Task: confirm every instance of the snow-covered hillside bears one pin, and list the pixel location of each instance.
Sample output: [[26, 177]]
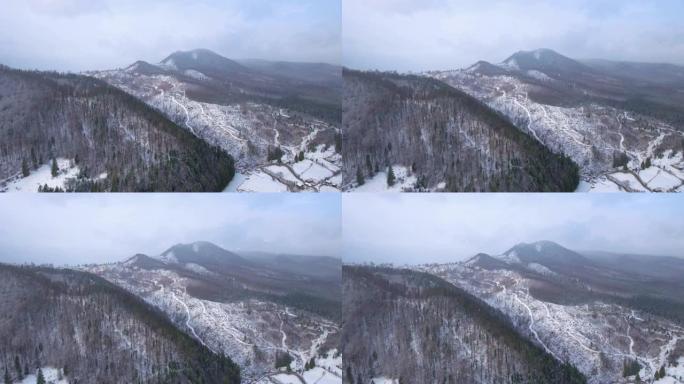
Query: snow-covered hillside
[[595, 337], [247, 130], [251, 331], [593, 134]]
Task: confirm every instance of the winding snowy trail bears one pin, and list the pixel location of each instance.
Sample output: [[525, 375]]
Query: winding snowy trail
[[187, 115], [622, 137], [531, 327], [529, 119], [283, 333], [187, 320]]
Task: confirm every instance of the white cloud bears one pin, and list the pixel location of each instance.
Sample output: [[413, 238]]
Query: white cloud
[[80, 35], [431, 227], [68, 229], [444, 34]]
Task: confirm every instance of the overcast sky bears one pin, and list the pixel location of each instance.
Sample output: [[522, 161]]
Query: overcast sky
[[414, 35], [421, 228], [96, 228], [76, 35]]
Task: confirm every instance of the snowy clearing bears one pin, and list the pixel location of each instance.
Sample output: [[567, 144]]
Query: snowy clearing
[[51, 376], [42, 176], [378, 183]]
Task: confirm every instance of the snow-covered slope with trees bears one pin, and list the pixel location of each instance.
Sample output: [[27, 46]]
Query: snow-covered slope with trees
[[282, 131], [445, 140], [244, 308], [79, 328], [578, 309], [411, 327], [44, 116], [625, 135]]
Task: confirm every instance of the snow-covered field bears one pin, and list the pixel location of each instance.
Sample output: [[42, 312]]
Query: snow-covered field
[[318, 172], [383, 380], [246, 131], [51, 375], [596, 337], [405, 181], [590, 134], [249, 331], [328, 370], [42, 176], [674, 374]]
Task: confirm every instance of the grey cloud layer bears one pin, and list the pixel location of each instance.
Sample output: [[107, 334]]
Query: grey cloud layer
[[76, 35], [444, 34], [75, 229], [441, 228]]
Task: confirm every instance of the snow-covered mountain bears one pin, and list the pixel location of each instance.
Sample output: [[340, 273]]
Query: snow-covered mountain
[[620, 122], [546, 61], [266, 318], [433, 137], [597, 313], [79, 328], [76, 133], [280, 125], [403, 326]]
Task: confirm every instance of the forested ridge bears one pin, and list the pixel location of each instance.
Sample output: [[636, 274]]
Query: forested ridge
[[418, 328], [443, 135], [96, 332], [46, 115]]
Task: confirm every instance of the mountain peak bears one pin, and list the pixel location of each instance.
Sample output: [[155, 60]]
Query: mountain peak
[[545, 60], [194, 54], [142, 261], [486, 68], [543, 252], [203, 253], [539, 245], [537, 54], [143, 67], [203, 60]]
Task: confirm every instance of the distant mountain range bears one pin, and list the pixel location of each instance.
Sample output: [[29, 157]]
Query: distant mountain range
[[308, 87]]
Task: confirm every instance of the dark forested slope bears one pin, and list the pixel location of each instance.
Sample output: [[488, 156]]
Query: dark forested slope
[[417, 328], [46, 115], [97, 332], [444, 136]]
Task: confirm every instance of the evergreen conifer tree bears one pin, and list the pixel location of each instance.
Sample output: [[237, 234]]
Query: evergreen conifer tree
[[24, 168], [55, 168], [17, 366], [40, 379], [391, 179], [359, 177]]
